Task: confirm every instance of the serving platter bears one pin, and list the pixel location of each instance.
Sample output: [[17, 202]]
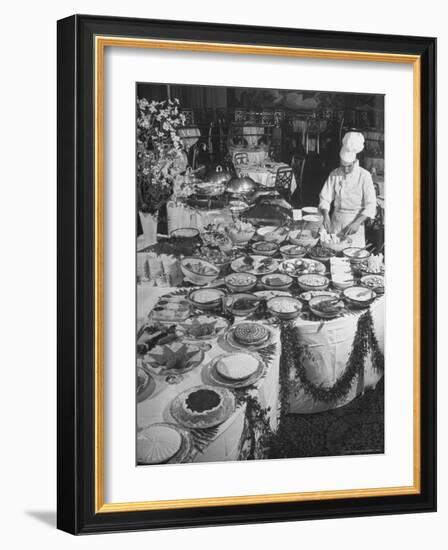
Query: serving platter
[[261, 265], [185, 449], [212, 372], [215, 417], [232, 342]]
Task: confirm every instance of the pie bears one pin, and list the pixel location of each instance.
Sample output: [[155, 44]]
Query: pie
[[250, 333], [202, 401], [238, 366], [157, 444]]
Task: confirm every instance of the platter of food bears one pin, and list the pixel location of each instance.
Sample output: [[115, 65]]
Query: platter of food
[[198, 271], [249, 335], [206, 298], [242, 304], [203, 406], [170, 309], [301, 266], [145, 384], [163, 443], [375, 282], [236, 370], [203, 327], [174, 358], [256, 265], [309, 294]]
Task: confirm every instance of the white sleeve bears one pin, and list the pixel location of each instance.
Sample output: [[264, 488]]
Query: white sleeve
[[369, 198], [327, 194]]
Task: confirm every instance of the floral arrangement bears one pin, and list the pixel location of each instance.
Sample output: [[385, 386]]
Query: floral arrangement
[[160, 155]]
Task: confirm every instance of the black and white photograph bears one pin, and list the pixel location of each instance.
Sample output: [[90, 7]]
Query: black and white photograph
[[260, 273]]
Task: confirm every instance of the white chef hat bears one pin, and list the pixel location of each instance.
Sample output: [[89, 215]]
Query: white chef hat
[[352, 144]]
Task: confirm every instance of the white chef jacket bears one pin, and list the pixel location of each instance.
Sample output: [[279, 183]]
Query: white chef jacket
[[353, 194]]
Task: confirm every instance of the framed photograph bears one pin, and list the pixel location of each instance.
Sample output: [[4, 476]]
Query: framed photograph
[[246, 274]]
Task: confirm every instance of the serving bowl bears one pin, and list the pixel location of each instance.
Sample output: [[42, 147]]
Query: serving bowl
[[240, 282], [293, 251], [277, 281], [303, 237], [242, 303], [241, 233], [374, 282], [358, 297], [313, 281], [198, 271], [356, 254], [272, 233], [265, 248], [333, 306], [285, 308]]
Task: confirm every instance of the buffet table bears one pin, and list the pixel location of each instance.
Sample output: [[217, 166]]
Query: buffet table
[[226, 443]]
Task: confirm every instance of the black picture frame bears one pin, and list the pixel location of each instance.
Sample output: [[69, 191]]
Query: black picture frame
[[76, 256]]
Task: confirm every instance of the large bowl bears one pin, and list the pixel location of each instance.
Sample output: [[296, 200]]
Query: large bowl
[[240, 282], [290, 251], [356, 254], [313, 281], [374, 282], [264, 248], [272, 233], [304, 237], [185, 233], [325, 314], [285, 308], [241, 237], [276, 281], [358, 297], [250, 300], [193, 270]]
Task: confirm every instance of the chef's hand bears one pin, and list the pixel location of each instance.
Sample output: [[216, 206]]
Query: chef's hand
[[351, 228], [327, 222]]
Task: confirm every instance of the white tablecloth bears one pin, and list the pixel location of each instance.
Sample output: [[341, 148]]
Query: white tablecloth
[[330, 344], [266, 176], [225, 446]]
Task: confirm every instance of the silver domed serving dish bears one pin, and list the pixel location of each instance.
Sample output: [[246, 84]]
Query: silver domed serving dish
[[243, 186]]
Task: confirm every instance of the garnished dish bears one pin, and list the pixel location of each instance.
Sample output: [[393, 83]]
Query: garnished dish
[[257, 265], [240, 282], [236, 370], [215, 235], [242, 304], [375, 282], [265, 248], [358, 296], [216, 256], [203, 406], [206, 298], [249, 335], [198, 271], [320, 253], [277, 281], [171, 309], [326, 307], [284, 307], [203, 327], [301, 266], [313, 281], [356, 254], [159, 444], [145, 384], [293, 251], [374, 265], [241, 232], [175, 357], [309, 294]]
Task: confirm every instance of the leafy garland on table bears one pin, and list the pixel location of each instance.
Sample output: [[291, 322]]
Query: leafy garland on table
[[294, 354]]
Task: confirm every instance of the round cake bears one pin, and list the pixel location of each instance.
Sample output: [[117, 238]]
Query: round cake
[[237, 366], [157, 444], [250, 333], [202, 401]]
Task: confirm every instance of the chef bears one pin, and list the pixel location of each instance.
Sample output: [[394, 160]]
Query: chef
[[351, 189]]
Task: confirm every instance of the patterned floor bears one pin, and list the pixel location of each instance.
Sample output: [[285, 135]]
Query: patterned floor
[[357, 428]]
